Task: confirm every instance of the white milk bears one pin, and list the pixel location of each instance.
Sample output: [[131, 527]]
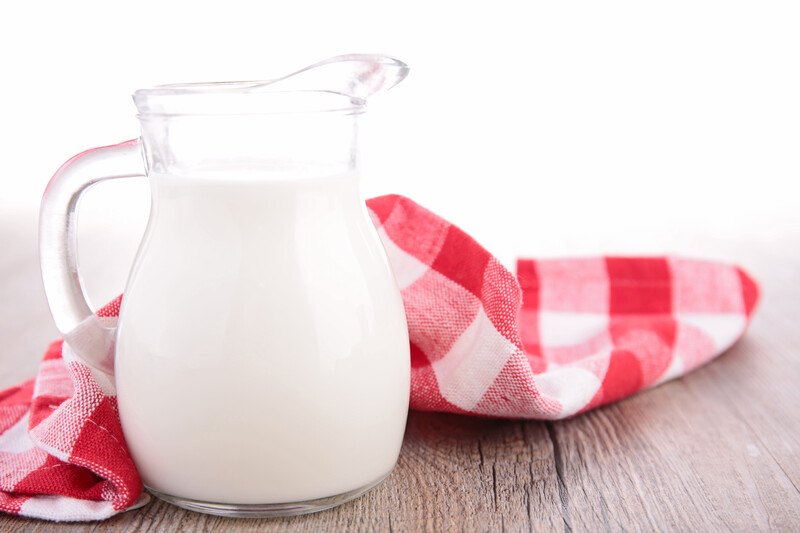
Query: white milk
[[262, 355]]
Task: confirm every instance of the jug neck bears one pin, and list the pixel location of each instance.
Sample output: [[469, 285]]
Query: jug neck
[[303, 144]]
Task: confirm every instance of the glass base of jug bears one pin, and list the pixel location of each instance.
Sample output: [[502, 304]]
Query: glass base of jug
[[266, 510]]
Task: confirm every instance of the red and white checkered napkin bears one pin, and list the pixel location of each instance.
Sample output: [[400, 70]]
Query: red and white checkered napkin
[[569, 336]]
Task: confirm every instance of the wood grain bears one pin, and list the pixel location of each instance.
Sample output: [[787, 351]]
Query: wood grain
[[718, 450]]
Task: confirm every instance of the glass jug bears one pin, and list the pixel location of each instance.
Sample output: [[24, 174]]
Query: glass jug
[[261, 356]]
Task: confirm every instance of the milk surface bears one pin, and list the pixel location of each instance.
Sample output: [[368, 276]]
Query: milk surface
[[262, 354]]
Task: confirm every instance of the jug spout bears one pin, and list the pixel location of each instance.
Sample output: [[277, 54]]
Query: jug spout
[[358, 76]]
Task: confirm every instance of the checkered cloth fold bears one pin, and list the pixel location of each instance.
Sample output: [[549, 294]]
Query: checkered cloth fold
[[561, 337]]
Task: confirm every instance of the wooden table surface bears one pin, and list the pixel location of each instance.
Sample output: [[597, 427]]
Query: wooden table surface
[[717, 450]]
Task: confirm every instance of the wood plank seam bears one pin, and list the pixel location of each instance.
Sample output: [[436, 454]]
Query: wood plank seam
[[558, 463]]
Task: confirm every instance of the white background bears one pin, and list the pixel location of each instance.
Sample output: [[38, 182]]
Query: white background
[[541, 128]]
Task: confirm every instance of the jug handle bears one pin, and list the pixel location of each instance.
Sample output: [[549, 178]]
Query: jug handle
[[89, 338]]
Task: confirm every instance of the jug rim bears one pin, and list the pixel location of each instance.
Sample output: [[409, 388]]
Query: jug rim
[[239, 98]]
